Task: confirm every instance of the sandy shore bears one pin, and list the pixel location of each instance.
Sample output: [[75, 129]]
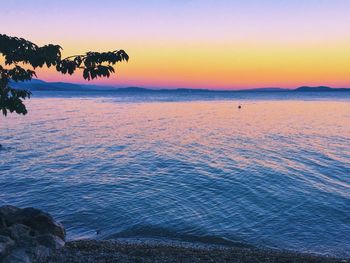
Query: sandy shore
[[124, 251]]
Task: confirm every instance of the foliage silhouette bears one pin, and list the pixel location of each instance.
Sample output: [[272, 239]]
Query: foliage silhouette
[[19, 53]]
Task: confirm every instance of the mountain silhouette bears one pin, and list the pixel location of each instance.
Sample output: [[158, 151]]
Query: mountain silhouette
[[319, 89], [39, 85]]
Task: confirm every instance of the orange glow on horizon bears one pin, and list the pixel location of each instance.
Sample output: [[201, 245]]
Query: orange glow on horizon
[[222, 66]]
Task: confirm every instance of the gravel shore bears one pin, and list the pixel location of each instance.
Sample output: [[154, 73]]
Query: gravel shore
[[123, 251]]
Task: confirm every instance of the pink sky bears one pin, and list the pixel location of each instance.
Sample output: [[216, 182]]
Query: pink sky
[[199, 44]]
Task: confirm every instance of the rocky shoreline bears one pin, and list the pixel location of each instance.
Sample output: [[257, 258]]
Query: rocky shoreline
[[116, 251], [30, 235]]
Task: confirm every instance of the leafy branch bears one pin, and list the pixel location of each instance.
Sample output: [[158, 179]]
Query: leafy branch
[[21, 51]]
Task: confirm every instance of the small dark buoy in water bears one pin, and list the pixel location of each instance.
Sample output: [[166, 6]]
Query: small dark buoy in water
[[239, 107], [98, 231]]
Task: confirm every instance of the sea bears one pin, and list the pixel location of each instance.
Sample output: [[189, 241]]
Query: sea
[[186, 166]]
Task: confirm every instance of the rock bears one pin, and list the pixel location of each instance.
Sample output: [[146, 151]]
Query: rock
[[50, 241], [28, 235], [19, 232], [5, 244], [2, 221], [7, 211], [18, 256], [39, 252], [45, 224], [40, 221]]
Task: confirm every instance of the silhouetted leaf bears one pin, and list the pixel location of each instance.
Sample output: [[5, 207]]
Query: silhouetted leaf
[[20, 51]]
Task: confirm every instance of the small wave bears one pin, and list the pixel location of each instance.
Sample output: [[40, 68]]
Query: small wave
[[152, 232]]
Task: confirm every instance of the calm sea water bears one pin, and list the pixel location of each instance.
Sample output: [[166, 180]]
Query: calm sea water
[[186, 167]]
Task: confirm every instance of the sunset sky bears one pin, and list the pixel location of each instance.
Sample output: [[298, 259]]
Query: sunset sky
[[222, 44]]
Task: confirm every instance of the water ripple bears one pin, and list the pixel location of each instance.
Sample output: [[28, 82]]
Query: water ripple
[[274, 174]]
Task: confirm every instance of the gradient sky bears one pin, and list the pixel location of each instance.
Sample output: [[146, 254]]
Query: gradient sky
[[221, 44]]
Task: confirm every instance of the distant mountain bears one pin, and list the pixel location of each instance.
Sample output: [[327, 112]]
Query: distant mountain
[[138, 89], [134, 89], [319, 89], [268, 89], [39, 85]]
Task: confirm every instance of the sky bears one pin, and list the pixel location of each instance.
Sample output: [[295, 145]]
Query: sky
[[221, 44]]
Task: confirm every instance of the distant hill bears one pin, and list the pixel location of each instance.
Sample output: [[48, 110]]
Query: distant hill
[[134, 89], [319, 89], [39, 85], [138, 89], [268, 89]]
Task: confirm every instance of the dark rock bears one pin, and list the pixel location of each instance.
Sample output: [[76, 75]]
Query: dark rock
[[2, 221], [50, 241], [45, 224], [40, 221], [28, 235], [5, 244], [5, 232], [18, 256], [18, 232], [7, 211], [39, 252]]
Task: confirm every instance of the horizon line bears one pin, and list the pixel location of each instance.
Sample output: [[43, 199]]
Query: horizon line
[[114, 86]]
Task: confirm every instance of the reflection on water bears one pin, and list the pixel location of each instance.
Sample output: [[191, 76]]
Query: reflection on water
[[272, 174]]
